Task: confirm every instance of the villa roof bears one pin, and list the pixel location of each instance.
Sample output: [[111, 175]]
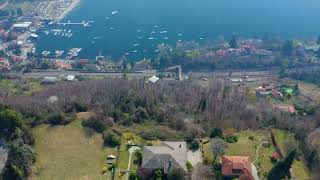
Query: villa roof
[[160, 157], [236, 166]]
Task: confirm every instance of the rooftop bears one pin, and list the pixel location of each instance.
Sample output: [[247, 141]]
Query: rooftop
[[160, 157]]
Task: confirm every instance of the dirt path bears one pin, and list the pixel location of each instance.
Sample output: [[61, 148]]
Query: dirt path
[[131, 151], [257, 154]]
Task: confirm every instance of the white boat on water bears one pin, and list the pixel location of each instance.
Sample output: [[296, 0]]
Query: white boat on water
[[45, 53], [179, 34], [151, 38], [139, 37], [135, 51], [136, 45], [97, 37], [114, 12]]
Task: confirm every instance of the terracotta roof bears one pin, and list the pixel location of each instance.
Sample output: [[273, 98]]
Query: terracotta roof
[[236, 166]]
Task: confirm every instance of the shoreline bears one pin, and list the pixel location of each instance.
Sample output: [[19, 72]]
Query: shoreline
[[73, 5]]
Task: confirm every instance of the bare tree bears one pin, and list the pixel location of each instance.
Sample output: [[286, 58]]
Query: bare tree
[[218, 147]]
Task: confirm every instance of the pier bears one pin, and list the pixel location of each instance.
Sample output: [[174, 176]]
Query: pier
[[83, 23]]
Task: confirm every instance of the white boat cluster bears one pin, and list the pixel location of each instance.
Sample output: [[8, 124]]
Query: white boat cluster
[[59, 32]]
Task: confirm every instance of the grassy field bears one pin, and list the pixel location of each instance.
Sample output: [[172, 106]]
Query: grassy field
[[69, 152], [248, 147], [299, 169], [27, 87]]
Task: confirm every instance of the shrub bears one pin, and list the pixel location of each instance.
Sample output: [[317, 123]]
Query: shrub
[[231, 139], [189, 166], [80, 106], [154, 135], [110, 139], [56, 119], [251, 138], [216, 132], [104, 170], [133, 176], [138, 154], [176, 174], [95, 123], [195, 144]]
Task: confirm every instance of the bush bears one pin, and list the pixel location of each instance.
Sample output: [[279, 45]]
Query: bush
[[95, 123], [251, 138], [176, 174], [133, 176], [231, 139], [138, 154], [110, 139], [216, 132], [189, 166], [154, 135], [104, 170], [80, 106], [195, 144], [56, 119]]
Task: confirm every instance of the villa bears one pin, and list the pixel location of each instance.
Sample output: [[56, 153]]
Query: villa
[[236, 167], [168, 156]]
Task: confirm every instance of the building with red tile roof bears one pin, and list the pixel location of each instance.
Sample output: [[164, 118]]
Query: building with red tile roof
[[62, 65], [236, 167]]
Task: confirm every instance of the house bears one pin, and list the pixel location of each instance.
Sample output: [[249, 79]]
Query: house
[[91, 67], [141, 66], [236, 167], [3, 155], [264, 90], [70, 77], [236, 80], [285, 108], [62, 65], [276, 94], [168, 156], [49, 80], [22, 25], [4, 64], [153, 79]]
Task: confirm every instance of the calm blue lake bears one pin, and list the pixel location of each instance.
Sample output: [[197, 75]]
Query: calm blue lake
[[139, 26]]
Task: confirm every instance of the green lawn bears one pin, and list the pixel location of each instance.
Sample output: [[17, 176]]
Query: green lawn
[[69, 152], [299, 169], [248, 147]]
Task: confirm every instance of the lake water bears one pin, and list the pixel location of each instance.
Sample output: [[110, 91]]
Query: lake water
[[141, 25]]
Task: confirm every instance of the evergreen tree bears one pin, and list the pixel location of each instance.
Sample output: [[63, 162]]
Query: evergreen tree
[[281, 169]]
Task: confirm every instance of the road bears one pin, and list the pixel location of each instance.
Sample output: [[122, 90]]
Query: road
[[131, 151], [2, 6]]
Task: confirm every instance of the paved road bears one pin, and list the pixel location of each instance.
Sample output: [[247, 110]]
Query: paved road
[[254, 172], [2, 6], [194, 157]]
